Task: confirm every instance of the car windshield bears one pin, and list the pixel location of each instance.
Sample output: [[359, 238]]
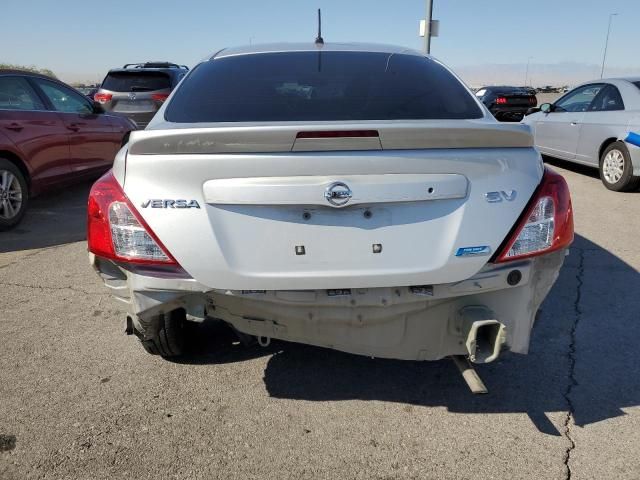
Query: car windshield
[[136, 81], [316, 86]]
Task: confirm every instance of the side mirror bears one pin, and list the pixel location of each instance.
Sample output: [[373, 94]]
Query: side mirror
[[97, 108], [532, 110], [546, 108]]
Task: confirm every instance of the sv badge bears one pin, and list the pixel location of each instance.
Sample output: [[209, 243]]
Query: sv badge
[[494, 197]]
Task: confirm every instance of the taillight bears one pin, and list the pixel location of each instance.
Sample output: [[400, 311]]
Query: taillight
[[102, 97], [547, 223], [501, 100], [159, 97], [116, 231]]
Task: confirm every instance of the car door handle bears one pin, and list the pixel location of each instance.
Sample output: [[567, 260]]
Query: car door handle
[[574, 123], [74, 126], [15, 126]]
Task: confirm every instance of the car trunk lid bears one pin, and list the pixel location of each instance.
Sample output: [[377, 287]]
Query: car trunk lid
[[518, 98], [401, 216]]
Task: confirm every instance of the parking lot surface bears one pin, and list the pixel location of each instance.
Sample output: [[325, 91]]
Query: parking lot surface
[[79, 399]]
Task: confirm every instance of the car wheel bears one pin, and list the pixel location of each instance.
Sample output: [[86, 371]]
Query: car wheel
[[14, 195], [616, 170], [166, 337]]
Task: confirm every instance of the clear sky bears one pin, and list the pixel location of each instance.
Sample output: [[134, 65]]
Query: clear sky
[[81, 40]]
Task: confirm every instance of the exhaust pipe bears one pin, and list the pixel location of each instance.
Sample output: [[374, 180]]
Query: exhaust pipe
[[484, 335]]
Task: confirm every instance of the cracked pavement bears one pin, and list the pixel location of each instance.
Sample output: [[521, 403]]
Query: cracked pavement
[[572, 354], [79, 399]]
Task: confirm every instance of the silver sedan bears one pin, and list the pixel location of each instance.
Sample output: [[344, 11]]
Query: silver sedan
[[595, 124]]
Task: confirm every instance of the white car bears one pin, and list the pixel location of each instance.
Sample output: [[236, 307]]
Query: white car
[[595, 124], [356, 197]]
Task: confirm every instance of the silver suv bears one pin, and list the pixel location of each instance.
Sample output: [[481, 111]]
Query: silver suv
[[138, 90]]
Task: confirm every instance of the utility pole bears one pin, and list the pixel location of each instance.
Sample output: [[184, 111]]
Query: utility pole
[[526, 75], [427, 28], [606, 43]]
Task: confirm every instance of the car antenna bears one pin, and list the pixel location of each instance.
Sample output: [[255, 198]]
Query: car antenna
[[319, 39]]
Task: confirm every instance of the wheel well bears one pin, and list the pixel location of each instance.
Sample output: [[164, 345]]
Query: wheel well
[[604, 145], [17, 161]]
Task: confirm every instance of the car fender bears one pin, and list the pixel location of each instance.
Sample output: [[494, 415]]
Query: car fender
[[7, 145]]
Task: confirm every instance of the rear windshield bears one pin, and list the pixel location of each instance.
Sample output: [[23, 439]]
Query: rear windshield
[[136, 81], [316, 86]]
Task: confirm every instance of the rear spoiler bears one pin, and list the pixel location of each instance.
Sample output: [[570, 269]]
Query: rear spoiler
[[399, 135]]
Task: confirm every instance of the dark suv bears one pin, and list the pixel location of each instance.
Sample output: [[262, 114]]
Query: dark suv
[[137, 90]]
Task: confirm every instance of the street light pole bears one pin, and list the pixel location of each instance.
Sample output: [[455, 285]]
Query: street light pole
[[526, 75], [427, 28], [606, 43]]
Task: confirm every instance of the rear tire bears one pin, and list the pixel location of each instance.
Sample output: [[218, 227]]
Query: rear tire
[[616, 170], [14, 195], [167, 336]]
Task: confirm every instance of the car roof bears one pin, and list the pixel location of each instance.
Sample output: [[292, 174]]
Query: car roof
[[312, 47], [139, 70], [628, 79], [612, 80], [141, 67], [14, 71]]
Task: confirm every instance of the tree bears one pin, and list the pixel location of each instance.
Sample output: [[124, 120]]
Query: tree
[[32, 68]]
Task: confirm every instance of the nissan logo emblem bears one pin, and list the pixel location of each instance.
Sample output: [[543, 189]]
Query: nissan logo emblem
[[338, 194]]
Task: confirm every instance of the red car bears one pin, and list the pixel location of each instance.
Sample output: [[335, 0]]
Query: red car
[[50, 136]]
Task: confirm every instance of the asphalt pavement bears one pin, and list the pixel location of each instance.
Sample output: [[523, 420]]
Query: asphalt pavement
[[80, 400]]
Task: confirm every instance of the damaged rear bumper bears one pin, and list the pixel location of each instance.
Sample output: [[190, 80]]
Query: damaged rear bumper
[[421, 322]]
